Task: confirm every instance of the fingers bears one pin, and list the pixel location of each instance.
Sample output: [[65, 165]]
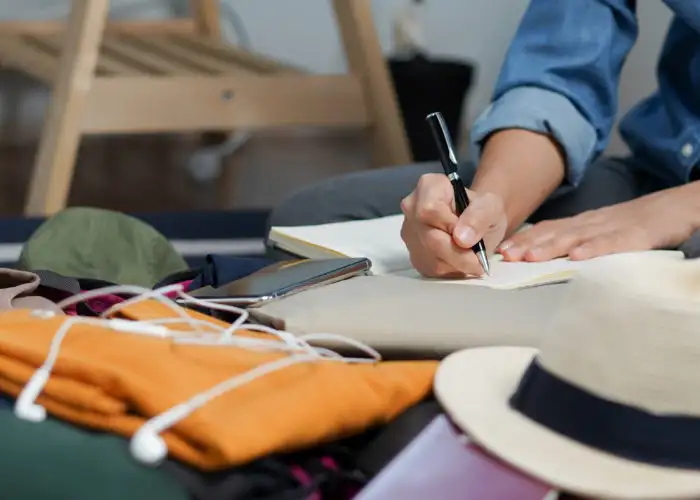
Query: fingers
[[430, 226], [434, 254], [612, 242], [480, 216], [442, 245], [434, 187], [434, 201], [548, 242], [437, 215], [579, 238], [593, 248], [515, 247], [430, 266], [554, 247]]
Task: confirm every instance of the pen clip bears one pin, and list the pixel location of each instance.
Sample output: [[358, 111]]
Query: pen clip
[[441, 134]]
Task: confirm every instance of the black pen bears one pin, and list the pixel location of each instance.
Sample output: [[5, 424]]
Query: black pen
[[449, 165]]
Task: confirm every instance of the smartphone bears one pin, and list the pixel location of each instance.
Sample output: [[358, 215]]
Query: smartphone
[[282, 279]]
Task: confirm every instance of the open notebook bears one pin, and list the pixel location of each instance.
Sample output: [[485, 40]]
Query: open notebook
[[380, 241]]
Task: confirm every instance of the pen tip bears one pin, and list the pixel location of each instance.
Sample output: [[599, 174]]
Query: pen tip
[[484, 263]]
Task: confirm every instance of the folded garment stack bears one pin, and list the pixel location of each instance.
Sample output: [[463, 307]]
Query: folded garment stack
[[106, 391]]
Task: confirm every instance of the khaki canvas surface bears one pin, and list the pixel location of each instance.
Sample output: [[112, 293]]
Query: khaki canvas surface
[[395, 314]]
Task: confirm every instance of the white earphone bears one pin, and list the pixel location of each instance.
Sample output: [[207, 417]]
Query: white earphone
[[147, 445], [25, 406]]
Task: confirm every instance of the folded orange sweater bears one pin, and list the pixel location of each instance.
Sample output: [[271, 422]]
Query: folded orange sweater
[[115, 381]]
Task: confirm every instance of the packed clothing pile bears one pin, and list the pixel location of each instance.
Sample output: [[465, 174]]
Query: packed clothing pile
[[112, 388]]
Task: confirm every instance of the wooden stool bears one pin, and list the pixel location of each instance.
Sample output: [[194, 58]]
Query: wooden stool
[[178, 76]]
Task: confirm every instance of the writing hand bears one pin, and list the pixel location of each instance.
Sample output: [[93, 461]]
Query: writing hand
[[439, 242]]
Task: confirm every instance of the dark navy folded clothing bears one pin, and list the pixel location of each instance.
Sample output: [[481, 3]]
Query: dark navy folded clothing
[[216, 271], [219, 270]]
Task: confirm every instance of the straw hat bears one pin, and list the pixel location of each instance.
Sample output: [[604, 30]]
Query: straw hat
[[609, 407]]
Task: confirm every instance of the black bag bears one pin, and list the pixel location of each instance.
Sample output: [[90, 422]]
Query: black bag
[[425, 85]]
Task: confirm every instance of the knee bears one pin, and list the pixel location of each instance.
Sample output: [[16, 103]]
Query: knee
[[358, 195], [309, 206]]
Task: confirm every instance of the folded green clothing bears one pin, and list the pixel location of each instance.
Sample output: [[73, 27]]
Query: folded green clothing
[[85, 242], [56, 460]]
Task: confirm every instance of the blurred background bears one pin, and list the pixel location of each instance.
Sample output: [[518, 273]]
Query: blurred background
[[171, 172]]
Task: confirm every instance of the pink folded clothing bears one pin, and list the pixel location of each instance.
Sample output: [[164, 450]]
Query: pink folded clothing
[[100, 304], [442, 463], [17, 291]]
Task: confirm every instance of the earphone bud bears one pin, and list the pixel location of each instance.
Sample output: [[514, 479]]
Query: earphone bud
[[30, 412], [147, 446], [25, 406]]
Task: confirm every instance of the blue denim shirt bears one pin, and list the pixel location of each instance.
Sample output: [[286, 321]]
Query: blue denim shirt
[[561, 76]]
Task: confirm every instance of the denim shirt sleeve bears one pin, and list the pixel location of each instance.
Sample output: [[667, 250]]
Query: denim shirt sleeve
[[561, 76], [685, 10]]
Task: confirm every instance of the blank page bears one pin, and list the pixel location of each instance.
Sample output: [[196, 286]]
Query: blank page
[[380, 241], [512, 275], [376, 239]]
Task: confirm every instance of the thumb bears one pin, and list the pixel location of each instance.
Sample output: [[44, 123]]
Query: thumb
[[482, 213]]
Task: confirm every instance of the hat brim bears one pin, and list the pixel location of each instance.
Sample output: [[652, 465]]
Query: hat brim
[[474, 387]]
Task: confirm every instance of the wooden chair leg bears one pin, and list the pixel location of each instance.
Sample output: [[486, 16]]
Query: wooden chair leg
[[55, 161], [365, 60], [207, 15]]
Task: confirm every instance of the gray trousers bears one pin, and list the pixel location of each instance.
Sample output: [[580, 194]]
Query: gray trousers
[[377, 193]]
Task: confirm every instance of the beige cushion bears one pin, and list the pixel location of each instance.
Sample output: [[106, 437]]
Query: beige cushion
[[17, 290]]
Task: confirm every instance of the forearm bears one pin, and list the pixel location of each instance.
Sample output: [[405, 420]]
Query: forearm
[[528, 143], [521, 167], [559, 81]]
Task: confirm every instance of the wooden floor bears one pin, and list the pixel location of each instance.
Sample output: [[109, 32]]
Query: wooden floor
[[148, 174]]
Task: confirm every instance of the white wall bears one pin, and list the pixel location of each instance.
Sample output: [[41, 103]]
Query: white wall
[[303, 32]]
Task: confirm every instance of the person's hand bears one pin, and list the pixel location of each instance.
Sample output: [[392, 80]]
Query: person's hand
[[438, 241], [660, 220]]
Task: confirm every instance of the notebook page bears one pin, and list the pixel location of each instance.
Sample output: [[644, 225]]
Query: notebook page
[[380, 241], [512, 275], [376, 239]]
